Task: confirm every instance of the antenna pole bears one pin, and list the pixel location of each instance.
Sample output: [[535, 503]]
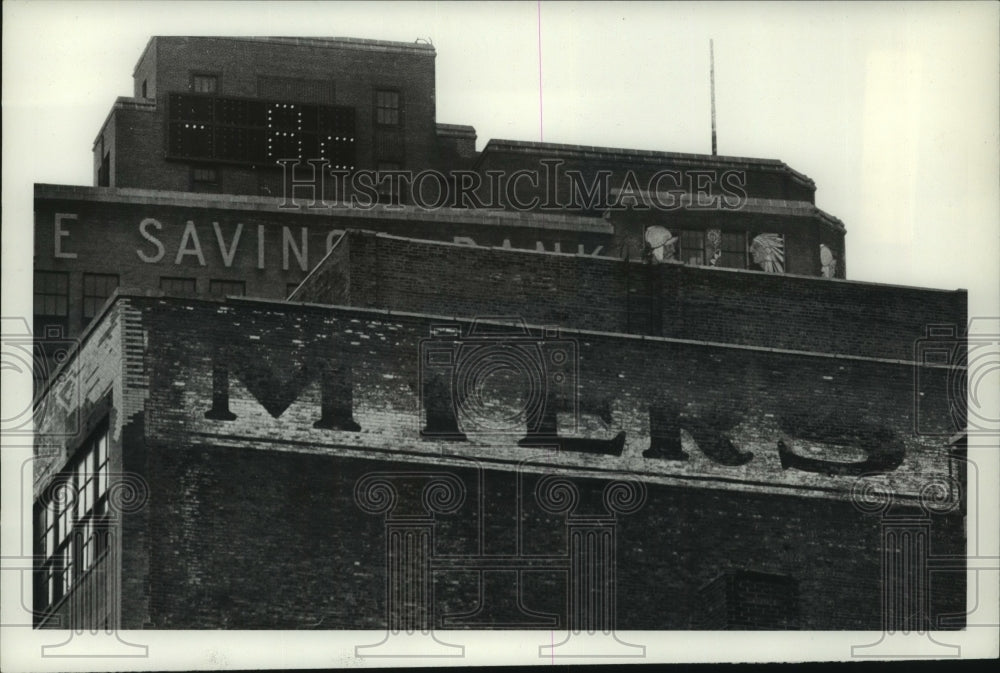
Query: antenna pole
[[711, 75]]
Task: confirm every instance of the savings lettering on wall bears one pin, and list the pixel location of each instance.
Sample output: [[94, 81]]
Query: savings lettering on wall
[[239, 245]]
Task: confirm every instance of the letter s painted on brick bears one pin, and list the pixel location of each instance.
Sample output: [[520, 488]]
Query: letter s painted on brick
[[143, 226]]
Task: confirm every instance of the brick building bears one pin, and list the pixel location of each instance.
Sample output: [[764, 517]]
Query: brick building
[[585, 388]]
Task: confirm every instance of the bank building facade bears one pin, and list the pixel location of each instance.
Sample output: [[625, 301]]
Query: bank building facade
[[310, 360]]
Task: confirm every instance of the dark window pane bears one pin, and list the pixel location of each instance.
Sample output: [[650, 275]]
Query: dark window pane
[[693, 247], [734, 250], [51, 293], [225, 288], [97, 287], [387, 108], [178, 285]]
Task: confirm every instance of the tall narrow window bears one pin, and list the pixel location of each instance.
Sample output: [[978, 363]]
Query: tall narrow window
[[693, 247], [97, 287], [71, 520], [387, 108], [144, 88], [104, 172], [51, 300], [734, 250]]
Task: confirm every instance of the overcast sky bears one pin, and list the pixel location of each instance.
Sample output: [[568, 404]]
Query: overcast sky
[[891, 108]]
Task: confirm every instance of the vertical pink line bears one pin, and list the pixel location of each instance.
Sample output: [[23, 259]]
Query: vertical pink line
[[541, 136]]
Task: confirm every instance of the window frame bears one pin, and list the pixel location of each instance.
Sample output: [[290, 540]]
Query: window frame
[[98, 299], [205, 75], [214, 287], [728, 253], [684, 251], [185, 279], [377, 109], [46, 293], [71, 537], [201, 183]]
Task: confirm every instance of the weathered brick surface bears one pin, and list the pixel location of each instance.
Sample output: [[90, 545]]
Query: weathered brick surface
[[102, 382], [244, 538], [252, 521], [674, 300]]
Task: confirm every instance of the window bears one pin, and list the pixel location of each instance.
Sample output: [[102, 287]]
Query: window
[[51, 302], [144, 88], [226, 288], [51, 293], [734, 250], [104, 172], [387, 108], [204, 83], [71, 521], [692, 247], [178, 285], [97, 287], [204, 179], [205, 175]]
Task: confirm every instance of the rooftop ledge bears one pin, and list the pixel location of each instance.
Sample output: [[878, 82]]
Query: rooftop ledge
[[644, 156], [747, 205], [239, 202]]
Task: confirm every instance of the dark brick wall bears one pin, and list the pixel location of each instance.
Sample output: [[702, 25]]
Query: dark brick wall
[[823, 542], [244, 538], [252, 523], [675, 300], [356, 72], [330, 282]]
